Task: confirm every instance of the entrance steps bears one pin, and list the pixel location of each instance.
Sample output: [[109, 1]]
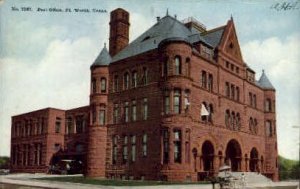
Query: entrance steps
[[252, 178]]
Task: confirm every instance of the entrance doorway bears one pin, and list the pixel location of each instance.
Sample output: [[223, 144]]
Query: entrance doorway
[[233, 155], [208, 156], [253, 165]]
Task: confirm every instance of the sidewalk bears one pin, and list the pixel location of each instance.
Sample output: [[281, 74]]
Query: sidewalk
[[29, 180]]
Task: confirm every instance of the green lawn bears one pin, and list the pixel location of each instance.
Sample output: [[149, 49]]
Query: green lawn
[[105, 182]]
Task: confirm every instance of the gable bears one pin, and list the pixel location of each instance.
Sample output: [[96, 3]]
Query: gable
[[229, 43]]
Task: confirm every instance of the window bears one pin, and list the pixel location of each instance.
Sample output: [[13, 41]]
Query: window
[[186, 99], [134, 79], [177, 103], [237, 94], [102, 117], [255, 126], [69, 128], [144, 145], [203, 79], [232, 123], [238, 122], [227, 89], [210, 111], [268, 105], [126, 81], [79, 124], [167, 102], [125, 149], [133, 110], [204, 113], [250, 99], [232, 92], [94, 86], [57, 125], [177, 65], [79, 148], [103, 85], [116, 84], [165, 68], [227, 118], [210, 82], [94, 115], [177, 146], [133, 148], [126, 111], [187, 67], [254, 101], [269, 131], [115, 150], [145, 109], [145, 76], [251, 124], [116, 114], [166, 146]]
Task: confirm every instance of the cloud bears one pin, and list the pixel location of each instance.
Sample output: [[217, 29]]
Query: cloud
[[60, 80], [281, 60]]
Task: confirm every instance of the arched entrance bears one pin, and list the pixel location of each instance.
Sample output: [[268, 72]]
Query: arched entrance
[[253, 164], [207, 156], [233, 155]]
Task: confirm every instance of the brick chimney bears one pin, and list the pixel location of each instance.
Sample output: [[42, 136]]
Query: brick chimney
[[119, 31]]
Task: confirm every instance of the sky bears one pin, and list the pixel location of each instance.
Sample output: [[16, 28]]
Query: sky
[[45, 57]]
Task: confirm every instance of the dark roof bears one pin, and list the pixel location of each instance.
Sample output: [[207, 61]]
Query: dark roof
[[103, 58], [167, 27], [264, 82], [213, 37]]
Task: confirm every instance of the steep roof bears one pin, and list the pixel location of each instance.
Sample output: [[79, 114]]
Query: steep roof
[[214, 36], [167, 27], [264, 82], [103, 58]]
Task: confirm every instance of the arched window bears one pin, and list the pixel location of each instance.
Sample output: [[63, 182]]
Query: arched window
[[250, 99], [268, 105], [254, 101], [269, 131], [255, 129], [238, 94], [251, 124], [126, 81], [232, 92], [167, 102], [238, 122], [134, 79], [233, 121], [177, 65], [103, 85], [102, 115]]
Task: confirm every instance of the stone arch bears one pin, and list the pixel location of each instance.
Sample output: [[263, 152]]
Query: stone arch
[[208, 151], [234, 155], [254, 160]]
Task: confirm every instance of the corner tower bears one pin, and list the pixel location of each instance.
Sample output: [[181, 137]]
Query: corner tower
[[97, 132], [119, 31], [271, 159]]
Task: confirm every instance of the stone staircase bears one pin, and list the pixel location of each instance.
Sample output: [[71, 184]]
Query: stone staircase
[[252, 178]]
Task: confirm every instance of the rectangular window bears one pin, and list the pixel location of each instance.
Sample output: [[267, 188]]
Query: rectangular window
[[133, 110], [133, 148], [125, 149], [177, 146], [103, 85], [250, 99], [114, 154], [102, 117], [116, 84], [94, 86], [203, 79], [145, 76], [126, 111], [134, 79], [232, 92], [79, 124], [269, 131], [167, 103], [210, 82], [165, 146], [116, 114], [145, 145], [177, 102], [57, 125], [227, 89], [145, 109], [126, 81]]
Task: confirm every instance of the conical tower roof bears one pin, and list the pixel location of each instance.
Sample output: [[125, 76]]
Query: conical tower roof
[[264, 82], [103, 58]]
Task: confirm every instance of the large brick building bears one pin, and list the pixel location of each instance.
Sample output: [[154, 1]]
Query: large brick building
[[176, 103]]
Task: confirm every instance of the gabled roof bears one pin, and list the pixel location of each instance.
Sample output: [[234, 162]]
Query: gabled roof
[[264, 82], [103, 58], [214, 36], [166, 28]]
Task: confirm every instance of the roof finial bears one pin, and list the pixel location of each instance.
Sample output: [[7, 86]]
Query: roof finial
[[263, 71], [104, 45], [231, 18], [167, 14], [175, 16]]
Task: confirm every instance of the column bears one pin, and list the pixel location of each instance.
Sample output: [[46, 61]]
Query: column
[[216, 165]]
